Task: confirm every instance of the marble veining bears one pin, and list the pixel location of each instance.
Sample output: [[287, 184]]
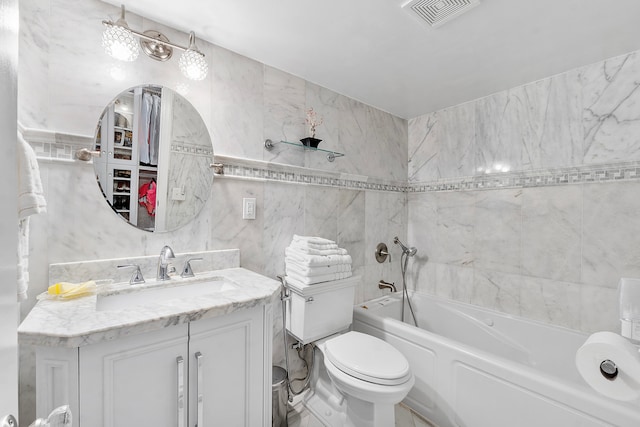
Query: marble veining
[[611, 116], [610, 245], [552, 233], [284, 96]]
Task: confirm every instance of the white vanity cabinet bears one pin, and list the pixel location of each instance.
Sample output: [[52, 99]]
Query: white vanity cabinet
[[133, 381], [209, 372]]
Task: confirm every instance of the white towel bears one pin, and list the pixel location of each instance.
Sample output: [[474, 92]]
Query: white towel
[[30, 201], [59, 417], [311, 239], [300, 270], [30, 194], [311, 251], [303, 280], [310, 245], [308, 260]]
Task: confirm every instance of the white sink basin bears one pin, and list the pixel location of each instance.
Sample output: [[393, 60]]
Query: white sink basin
[[154, 294]]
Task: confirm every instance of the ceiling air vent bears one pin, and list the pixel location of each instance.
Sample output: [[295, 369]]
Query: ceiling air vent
[[437, 12]]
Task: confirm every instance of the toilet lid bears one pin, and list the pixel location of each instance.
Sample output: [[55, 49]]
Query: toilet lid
[[367, 358]]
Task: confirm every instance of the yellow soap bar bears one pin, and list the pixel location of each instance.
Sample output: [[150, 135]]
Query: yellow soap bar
[[68, 290]]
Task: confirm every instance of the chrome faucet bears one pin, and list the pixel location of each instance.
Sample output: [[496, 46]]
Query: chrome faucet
[[163, 264], [386, 285]]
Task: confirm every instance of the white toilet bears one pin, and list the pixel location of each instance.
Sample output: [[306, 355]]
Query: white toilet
[[356, 378]]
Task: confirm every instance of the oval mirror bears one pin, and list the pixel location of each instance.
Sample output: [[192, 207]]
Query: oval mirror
[[154, 168]]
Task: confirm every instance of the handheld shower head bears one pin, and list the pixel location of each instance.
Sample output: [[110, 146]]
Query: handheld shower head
[[409, 251]]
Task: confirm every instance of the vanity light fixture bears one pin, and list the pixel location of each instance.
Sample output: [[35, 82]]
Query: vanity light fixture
[[119, 41], [192, 63]]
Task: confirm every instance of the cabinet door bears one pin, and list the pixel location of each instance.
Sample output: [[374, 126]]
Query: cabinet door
[[227, 376], [135, 381], [121, 138]]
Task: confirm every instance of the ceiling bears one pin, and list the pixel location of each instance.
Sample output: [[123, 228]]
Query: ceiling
[[385, 56]]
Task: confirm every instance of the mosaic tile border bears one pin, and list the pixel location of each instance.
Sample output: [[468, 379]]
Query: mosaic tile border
[[624, 171], [56, 146], [185, 148], [314, 178]]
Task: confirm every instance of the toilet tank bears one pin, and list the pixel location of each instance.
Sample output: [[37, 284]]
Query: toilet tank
[[319, 310]]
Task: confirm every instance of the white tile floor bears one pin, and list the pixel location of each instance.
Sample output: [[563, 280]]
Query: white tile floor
[[300, 417]]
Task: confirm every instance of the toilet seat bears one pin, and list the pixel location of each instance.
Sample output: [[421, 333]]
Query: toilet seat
[[367, 358]]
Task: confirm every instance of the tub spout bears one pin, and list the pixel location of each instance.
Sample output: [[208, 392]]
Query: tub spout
[[386, 285]]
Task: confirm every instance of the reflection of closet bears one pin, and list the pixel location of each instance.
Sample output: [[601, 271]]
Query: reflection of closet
[[128, 137]]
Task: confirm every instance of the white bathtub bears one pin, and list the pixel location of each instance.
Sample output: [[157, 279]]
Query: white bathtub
[[481, 368]]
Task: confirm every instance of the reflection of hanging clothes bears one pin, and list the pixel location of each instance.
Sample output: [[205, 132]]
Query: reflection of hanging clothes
[[154, 133], [147, 196], [144, 128]]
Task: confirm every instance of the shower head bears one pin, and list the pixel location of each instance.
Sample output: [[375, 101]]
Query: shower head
[[409, 251]]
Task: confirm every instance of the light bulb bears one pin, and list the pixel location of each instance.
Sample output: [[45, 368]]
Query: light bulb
[[193, 65], [120, 43]]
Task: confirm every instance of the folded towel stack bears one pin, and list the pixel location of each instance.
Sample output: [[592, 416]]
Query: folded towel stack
[[311, 260]]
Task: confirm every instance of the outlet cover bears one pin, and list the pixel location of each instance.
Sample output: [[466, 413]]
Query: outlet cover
[[249, 208]]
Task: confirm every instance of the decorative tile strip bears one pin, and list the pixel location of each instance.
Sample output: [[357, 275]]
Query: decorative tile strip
[[254, 169], [54, 145], [186, 148], [624, 171]]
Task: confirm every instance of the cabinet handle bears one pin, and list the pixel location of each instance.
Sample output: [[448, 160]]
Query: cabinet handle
[[180, 362], [199, 391]]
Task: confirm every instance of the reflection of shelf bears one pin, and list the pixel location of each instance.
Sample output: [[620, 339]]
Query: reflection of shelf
[[331, 155]]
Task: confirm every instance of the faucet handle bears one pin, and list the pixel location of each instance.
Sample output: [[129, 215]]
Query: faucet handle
[[186, 269], [136, 277]]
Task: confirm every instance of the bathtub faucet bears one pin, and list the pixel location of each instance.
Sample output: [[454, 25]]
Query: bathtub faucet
[[386, 285]]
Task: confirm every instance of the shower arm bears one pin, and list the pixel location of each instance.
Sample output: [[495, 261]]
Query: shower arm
[[409, 251]]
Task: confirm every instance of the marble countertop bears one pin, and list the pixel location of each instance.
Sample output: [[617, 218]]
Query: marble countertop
[[78, 322]]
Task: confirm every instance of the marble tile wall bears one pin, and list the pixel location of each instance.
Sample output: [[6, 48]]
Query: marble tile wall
[[557, 231], [65, 81]]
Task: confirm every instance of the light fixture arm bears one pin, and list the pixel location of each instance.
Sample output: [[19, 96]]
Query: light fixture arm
[[192, 36], [121, 21], [192, 41]]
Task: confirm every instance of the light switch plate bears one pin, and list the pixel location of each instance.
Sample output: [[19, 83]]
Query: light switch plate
[[249, 208], [178, 193]]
